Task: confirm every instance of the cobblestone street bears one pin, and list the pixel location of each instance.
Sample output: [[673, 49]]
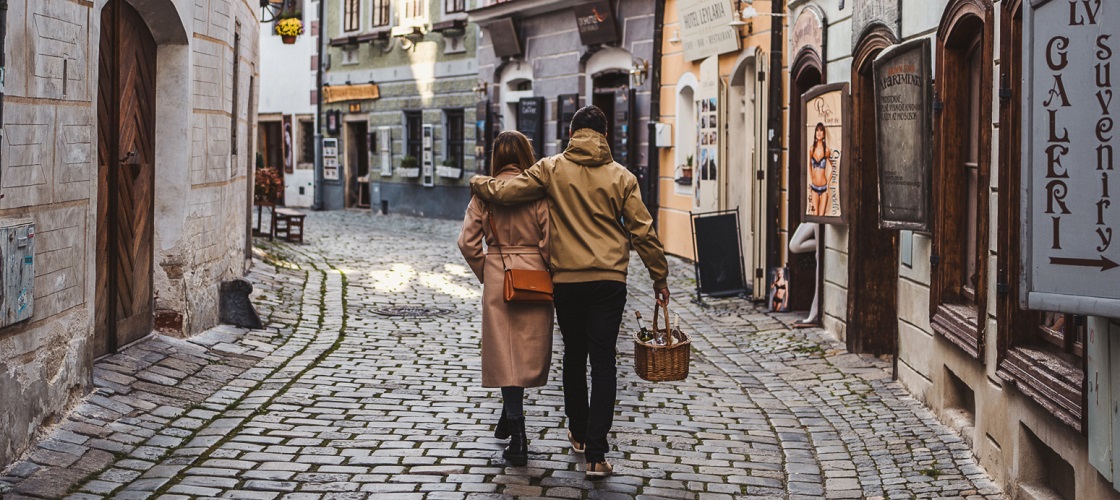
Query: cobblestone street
[[365, 383]]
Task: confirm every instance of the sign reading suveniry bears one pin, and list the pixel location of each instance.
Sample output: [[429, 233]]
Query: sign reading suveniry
[[1070, 157], [705, 30], [903, 99]]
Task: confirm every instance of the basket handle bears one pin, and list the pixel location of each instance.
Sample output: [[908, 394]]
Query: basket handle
[[659, 308]]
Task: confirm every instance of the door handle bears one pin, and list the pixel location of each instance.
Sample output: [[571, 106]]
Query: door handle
[[131, 155]]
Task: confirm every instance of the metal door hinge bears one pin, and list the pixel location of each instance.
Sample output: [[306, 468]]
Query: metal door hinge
[[762, 76], [758, 272], [938, 105], [934, 260], [760, 175], [1004, 94], [1003, 288]]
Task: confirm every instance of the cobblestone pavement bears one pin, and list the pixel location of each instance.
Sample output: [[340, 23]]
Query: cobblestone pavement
[[365, 383]]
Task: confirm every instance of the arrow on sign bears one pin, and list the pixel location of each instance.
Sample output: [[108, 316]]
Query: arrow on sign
[[1104, 262]]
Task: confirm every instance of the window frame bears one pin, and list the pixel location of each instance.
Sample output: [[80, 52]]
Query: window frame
[[347, 16], [962, 322], [450, 144], [1052, 374], [414, 138], [449, 6], [384, 8]]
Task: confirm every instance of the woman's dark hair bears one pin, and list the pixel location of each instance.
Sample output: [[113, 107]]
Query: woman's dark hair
[[590, 117], [512, 148], [824, 138]]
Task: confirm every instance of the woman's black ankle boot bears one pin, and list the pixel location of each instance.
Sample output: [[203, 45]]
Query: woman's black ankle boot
[[518, 450], [501, 431]]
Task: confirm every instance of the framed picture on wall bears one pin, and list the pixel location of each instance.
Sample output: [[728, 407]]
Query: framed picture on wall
[[826, 125]]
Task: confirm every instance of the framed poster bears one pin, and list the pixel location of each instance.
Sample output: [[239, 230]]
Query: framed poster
[[903, 101], [827, 111], [566, 107], [289, 166], [330, 159], [1071, 224], [427, 157], [706, 173], [334, 121]]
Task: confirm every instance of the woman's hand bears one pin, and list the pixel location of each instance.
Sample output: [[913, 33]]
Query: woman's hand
[[662, 295]]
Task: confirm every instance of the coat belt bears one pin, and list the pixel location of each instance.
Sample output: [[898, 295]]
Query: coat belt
[[513, 250]]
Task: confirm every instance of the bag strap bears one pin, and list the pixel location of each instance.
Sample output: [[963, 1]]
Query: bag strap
[[490, 215]]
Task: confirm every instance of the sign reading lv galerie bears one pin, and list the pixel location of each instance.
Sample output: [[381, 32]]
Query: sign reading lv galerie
[[705, 30], [903, 99], [825, 141], [1070, 157]]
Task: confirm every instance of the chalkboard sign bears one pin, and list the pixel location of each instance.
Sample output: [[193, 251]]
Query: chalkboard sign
[[530, 121], [567, 105], [719, 258]]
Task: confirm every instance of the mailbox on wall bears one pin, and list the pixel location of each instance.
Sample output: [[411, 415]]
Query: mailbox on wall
[[17, 270]]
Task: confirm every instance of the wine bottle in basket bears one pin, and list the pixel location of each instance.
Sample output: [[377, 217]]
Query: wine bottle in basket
[[644, 335]]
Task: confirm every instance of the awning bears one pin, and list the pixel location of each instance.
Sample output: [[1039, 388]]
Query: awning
[[339, 93]]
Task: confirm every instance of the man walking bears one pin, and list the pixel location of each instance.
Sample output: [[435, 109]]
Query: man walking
[[596, 214]]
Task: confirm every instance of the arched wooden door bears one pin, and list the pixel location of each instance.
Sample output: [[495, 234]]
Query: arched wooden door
[[125, 152]]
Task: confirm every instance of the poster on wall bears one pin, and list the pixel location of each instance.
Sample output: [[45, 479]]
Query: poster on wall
[[706, 173], [330, 159], [903, 101], [825, 140], [427, 157], [1071, 222], [289, 167], [778, 290]]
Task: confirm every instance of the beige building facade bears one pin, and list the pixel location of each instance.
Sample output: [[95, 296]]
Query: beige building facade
[[127, 131]]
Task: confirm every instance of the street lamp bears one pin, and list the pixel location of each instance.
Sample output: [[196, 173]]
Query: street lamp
[[480, 90], [676, 39], [639, 72]]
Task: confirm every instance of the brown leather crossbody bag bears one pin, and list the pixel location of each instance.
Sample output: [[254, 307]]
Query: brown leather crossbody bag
[[522, 285]]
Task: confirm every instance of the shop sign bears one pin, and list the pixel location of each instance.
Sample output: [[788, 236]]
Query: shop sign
[[1071, 232], [808, 31], [903, 100], [287, 144], [596, 23], [340, 93], [704, 28], [871, 12], [827, 111]]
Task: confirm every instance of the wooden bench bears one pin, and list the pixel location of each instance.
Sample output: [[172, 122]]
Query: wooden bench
[[288, 224]]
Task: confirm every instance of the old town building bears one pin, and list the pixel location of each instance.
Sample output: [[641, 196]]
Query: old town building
[[539, 61], [103, 102], [398, 105]]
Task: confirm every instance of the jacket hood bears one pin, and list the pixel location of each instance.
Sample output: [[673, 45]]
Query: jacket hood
[[588, 148]]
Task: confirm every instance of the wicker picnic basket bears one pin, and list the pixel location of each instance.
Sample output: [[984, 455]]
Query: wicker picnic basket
[[661, 363]]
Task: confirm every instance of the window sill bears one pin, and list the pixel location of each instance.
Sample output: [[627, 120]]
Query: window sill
[[1050, 381], [960, 325]]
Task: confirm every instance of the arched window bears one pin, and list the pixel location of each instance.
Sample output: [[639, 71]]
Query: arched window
[[962, 138]]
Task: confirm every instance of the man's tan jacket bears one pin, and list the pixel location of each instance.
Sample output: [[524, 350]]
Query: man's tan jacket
[[596, 210]]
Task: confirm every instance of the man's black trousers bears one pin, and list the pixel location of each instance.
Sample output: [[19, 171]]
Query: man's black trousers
[[589, 315]]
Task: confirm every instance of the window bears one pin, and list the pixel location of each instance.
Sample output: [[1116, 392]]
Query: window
[[351, 15], [414, 9], [306, 141], [1041, 352], [413, 128], [454, 134], [958, 291], [380, 13], [454, 6]]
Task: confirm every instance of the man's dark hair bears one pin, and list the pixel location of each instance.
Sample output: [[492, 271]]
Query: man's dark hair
[[590, 117]]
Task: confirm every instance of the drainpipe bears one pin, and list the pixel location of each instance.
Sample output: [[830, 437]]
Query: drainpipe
[[3, 63], [774, 167], [317, 199], [653, 160]]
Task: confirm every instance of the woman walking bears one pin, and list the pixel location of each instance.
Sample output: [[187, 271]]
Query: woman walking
[[516, 336]]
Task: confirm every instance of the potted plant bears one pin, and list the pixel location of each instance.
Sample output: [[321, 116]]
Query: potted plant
[[449, 169], [289, 29], [686, 171], [267, 186], [410, 167]]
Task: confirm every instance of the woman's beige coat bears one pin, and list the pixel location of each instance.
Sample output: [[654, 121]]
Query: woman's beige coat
[[516, 337]]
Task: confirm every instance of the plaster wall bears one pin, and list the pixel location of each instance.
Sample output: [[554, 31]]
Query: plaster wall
[[48, 172]]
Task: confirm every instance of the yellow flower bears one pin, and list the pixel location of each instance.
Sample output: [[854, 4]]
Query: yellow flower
[[289, 27]]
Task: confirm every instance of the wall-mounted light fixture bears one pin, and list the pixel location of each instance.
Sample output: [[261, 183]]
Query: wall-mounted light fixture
[[676, 39], [639, 72], [480, 90]]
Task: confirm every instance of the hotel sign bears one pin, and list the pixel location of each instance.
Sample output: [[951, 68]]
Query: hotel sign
[[704, 28], [1071, 232], [903, 100]]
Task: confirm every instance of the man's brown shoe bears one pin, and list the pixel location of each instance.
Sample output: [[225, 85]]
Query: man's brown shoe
[[599, 469], [577, 446]]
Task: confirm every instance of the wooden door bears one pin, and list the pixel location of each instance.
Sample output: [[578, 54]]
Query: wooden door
[[126, 149], [803, 266], [872, 252]]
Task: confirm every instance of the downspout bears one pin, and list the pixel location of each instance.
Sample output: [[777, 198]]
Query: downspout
[[653, 160], [3, 63], [317, 199], [775, 131]]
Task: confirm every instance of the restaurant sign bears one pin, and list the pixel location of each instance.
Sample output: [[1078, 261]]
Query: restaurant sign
[[705, 30], [1070, 235], [903, 100], [596, 23]]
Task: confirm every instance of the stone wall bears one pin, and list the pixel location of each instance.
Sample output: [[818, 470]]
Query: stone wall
[[48, 172]]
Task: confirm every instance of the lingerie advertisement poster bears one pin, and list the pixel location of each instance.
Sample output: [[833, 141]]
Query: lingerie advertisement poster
[[825, 139]]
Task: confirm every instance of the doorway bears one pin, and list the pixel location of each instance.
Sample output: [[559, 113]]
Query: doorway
[[357, 164], [125, 186], [803, 267], [744, 190], [872, 252]]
